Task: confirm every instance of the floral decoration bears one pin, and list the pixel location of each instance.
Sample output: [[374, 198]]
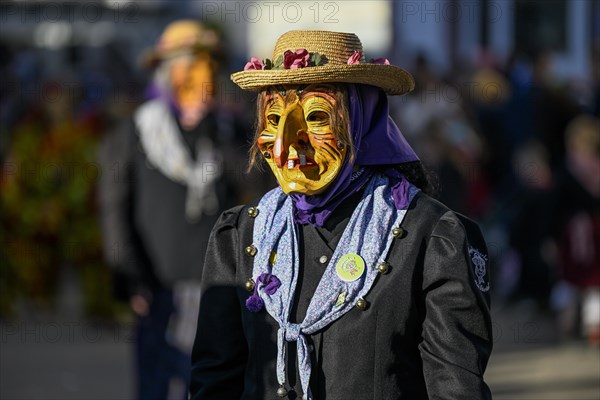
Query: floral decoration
[[296, 59], [254, 64], [254, 303], [355, 57], [269, 283], [300, 58], [383, 61]]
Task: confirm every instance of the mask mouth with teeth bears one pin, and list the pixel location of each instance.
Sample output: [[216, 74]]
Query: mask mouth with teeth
[[301, 134], [301, 162]]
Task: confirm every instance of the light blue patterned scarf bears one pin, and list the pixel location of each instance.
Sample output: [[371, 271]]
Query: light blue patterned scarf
[[368, 234]]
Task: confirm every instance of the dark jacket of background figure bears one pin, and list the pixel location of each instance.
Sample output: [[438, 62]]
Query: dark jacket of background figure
[[150, 242], [156, 251]]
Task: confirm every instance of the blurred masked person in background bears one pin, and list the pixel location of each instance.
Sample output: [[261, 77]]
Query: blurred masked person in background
[[577, 230], [359, 285], [168, 175]]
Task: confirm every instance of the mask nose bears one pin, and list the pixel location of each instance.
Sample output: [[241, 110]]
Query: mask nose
[[291, 130]]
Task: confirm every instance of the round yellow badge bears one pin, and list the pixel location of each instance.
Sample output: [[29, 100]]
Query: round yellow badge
[[350, 267]]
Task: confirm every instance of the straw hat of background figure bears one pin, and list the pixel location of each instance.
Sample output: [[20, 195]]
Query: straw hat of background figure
[[182, 37], [304, 57]]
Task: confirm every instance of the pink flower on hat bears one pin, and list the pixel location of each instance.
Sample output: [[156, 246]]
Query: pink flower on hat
[[355, 57], [383, 61], [254, 63], [296, 59]]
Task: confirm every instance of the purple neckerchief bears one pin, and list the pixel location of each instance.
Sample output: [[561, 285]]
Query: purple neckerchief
[[316, 209], [376, 140]]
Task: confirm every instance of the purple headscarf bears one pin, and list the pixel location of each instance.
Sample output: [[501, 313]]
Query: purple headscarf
[[377, 141]]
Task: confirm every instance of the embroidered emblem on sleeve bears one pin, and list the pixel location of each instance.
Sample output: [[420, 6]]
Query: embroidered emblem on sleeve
[[479, 261]]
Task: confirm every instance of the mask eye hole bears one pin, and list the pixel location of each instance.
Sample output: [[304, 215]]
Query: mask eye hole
[[318, 116], [273, 119]]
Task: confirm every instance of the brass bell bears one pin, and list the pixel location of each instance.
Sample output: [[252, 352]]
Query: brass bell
[[398, 232], [282, 392], [383, 268], [362, 304], [253, 212], [251, 251], [249, 285]]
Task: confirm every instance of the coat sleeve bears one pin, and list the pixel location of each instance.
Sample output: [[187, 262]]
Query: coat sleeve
[[123, 249], [457, 332], [219, 355]]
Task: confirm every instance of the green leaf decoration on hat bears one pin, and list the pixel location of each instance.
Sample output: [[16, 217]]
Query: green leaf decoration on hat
[[278, 62], [268, 63], [315, 59]]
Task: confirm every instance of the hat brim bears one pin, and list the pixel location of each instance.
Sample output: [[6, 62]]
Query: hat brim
[[393, 80], [151, 58]]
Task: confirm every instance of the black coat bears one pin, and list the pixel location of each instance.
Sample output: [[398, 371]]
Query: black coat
[[426, 333], [148, 239]]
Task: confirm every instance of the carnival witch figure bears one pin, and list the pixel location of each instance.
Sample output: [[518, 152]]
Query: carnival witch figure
[[348, 281]]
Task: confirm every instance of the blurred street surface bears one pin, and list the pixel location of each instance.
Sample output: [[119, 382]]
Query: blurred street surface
[[65, 360], [530, 361], [82, 360]]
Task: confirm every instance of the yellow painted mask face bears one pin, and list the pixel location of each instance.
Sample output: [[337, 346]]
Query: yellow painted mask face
[[191, 80], [298, 142]]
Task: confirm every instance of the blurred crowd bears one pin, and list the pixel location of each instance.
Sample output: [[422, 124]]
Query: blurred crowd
[[509, 143], [517, 148]]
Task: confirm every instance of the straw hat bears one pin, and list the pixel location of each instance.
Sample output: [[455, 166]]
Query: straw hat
[[303, 57], [182, 37]]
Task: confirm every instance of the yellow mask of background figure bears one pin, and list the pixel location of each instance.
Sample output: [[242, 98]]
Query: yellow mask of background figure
[[192, 84], [298, 142]]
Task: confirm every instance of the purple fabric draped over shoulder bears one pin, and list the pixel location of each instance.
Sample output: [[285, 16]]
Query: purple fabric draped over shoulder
[[377, 141]]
